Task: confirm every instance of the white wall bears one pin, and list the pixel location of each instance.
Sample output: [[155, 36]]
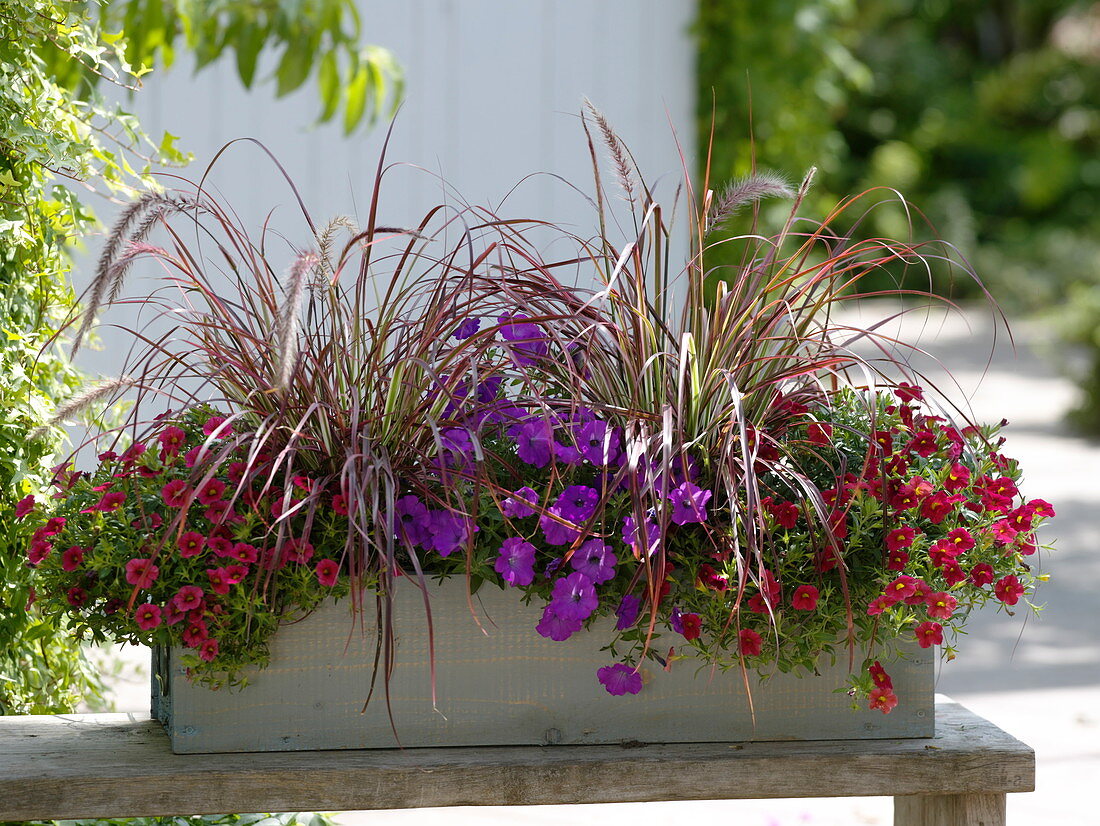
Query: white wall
[[493, 91]]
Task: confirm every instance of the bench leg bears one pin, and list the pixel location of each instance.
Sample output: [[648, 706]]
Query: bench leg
[[949, 810]]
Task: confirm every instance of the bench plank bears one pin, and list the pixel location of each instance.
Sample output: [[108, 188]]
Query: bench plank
[[119, 765]]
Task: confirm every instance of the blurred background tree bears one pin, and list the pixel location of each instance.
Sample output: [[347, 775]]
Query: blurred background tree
[[985, 115], [59, 137]]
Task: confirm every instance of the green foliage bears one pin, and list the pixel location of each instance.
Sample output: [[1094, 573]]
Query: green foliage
[[985, 115], [318, 38]]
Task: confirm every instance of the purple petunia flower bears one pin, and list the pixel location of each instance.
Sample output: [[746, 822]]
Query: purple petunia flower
[[467, 328], [575, 597], [676, 621], [528, 341], [599, 444], [554, 531], [595, 560], [534, 440], [458, 447], [577, 503], [518, 505], [516, 562], [630, 533], [689, 503], [449, 531], [567, 453], [627, 612], [412, 520], [555, 626], [620, 679]]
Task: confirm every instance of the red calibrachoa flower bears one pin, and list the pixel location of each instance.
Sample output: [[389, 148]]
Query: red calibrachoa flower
[[920, 593], [211, 492], [879, 676], [707, 577], [195, 633], [243, 552], [72, 559], [235, 573], [693, 626], [879, 604], [188, 598], [958, 477], [819, 433], [901, 588], [297, 550], [1008, 590], [981, 574], [208, 649], [172, 440], [805, 598], [38, 551], [220, 546], [219, 580], [929, 634], [923, 443], [900, 538], [191, 544], [1041, 507], [883, 699], [941, 605], [938, 506], [953, 573], [897, 560], [141, 572], [24, 506], [785, 514], [147, 616], [176, 494], [76, 596], [327, 571], [1003, 532], [750, 643], [340, 504]]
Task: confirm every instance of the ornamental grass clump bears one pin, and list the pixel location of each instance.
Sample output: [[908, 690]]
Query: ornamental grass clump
[[704, 465]]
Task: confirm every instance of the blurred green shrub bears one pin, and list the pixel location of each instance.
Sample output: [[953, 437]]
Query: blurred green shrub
[[984, 115]]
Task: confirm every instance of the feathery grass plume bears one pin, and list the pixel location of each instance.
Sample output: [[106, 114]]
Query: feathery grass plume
[[620, 156], [82, 401], [748, 190], [286, 325], [113, 262], [325, 240]]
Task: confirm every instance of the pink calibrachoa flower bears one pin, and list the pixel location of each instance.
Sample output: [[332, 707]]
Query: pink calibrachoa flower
[[141, 572], [1008, 590], [929, 634], [171, 441], [327, 571], [805, 598], [941, 605], [24, 506], [883, 699], [208, 650], [981, 574], [620, 679], [147, 616], [214, 424], [188, 598], [176, 494], [211, 492], [191, 544], [72, 558], [900, 538], [749, 643], [1003, 532], [219, 580]]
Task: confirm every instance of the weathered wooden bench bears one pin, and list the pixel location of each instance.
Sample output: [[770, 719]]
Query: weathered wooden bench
[[117, 765]]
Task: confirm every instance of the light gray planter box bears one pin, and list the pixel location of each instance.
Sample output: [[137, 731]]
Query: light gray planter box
[[502, 684]]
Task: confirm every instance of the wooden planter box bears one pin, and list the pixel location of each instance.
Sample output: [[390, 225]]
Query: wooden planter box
[[505, 685]]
